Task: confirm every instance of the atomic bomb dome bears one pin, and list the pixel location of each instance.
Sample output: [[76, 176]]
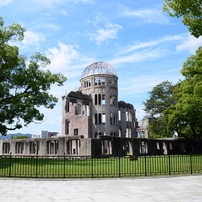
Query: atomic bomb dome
[[98, 68], [93, 110]]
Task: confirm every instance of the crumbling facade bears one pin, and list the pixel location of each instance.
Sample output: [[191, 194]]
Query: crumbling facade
[[93, 110]]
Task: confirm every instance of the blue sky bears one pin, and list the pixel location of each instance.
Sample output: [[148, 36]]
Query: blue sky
[[145, 45]]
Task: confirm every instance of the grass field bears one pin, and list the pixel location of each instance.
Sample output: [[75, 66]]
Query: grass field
[[64, 167]]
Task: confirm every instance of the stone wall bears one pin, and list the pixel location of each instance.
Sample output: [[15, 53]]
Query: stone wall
[[102, 145]]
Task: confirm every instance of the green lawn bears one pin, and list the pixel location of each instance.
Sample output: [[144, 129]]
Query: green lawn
[[47, 167]]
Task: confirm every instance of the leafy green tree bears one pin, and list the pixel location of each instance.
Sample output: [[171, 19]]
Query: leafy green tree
[[191, 12], [21, 137], [158, 128], [185, 117], [23, 85], [161, 97]]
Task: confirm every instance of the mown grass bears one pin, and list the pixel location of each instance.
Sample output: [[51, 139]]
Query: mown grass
[[52, 167]]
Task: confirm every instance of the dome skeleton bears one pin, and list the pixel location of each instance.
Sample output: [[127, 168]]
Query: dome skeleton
[[98, 67]]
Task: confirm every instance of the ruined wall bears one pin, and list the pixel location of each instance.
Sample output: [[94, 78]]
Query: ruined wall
[[102, 145], [127, 120], [76, 114]]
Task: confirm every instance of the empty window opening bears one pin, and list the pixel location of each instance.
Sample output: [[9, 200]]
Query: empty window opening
[[120, 132], [119, 115], [128, 132], [113, 119], [157, 146], [19, 147], [69, 147], [76, 131], [143, 147], [95, 134], [99, 81], [113, 100], [99, 118], [95, 119], [67, 106], [33, 148], [170, 146], [52, 147], [78, 109], [87, 83], [128, 116], [95, 99], [6, 148], [103, 118], [103, 99], [99, 99], [112, 82], [67, 126]]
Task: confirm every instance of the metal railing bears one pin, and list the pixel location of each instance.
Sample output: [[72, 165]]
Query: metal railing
[[98, 166]]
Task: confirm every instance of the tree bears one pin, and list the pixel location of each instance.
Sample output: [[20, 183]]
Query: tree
[[23, 85], [185, 116], [191, 12], [21, 137], [161, 97]]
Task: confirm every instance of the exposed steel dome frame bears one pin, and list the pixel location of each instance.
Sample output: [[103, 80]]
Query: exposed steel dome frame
[[98, 68]]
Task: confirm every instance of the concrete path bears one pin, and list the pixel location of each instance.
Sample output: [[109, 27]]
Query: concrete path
[[172, 189]]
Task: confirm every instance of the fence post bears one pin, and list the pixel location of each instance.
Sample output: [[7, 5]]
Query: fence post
[[119, 166], [191, 163], [10, 162], [92, 166], [36, 164], [64, 165], [145, 165], [169, 171]]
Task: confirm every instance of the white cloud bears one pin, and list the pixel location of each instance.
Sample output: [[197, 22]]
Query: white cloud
[[5, 2], [141, 45], [109, 32], [145, 83], [63, 13], [32, 38], [190, 43], [54, 27], [149, 15], [62, 56], [140, 56]]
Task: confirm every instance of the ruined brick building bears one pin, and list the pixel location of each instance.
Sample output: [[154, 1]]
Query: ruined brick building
[[94, 110], [94, 123]]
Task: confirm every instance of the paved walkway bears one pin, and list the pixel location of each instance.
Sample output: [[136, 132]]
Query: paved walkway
[[158, 189]]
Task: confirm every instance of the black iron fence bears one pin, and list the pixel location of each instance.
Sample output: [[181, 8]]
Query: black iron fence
[[98, 166]]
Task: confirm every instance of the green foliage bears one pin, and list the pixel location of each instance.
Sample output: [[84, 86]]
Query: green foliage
[[21, 137], [185, 116], [191, 12], [158, 128], [23, 88], [161, 97]]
